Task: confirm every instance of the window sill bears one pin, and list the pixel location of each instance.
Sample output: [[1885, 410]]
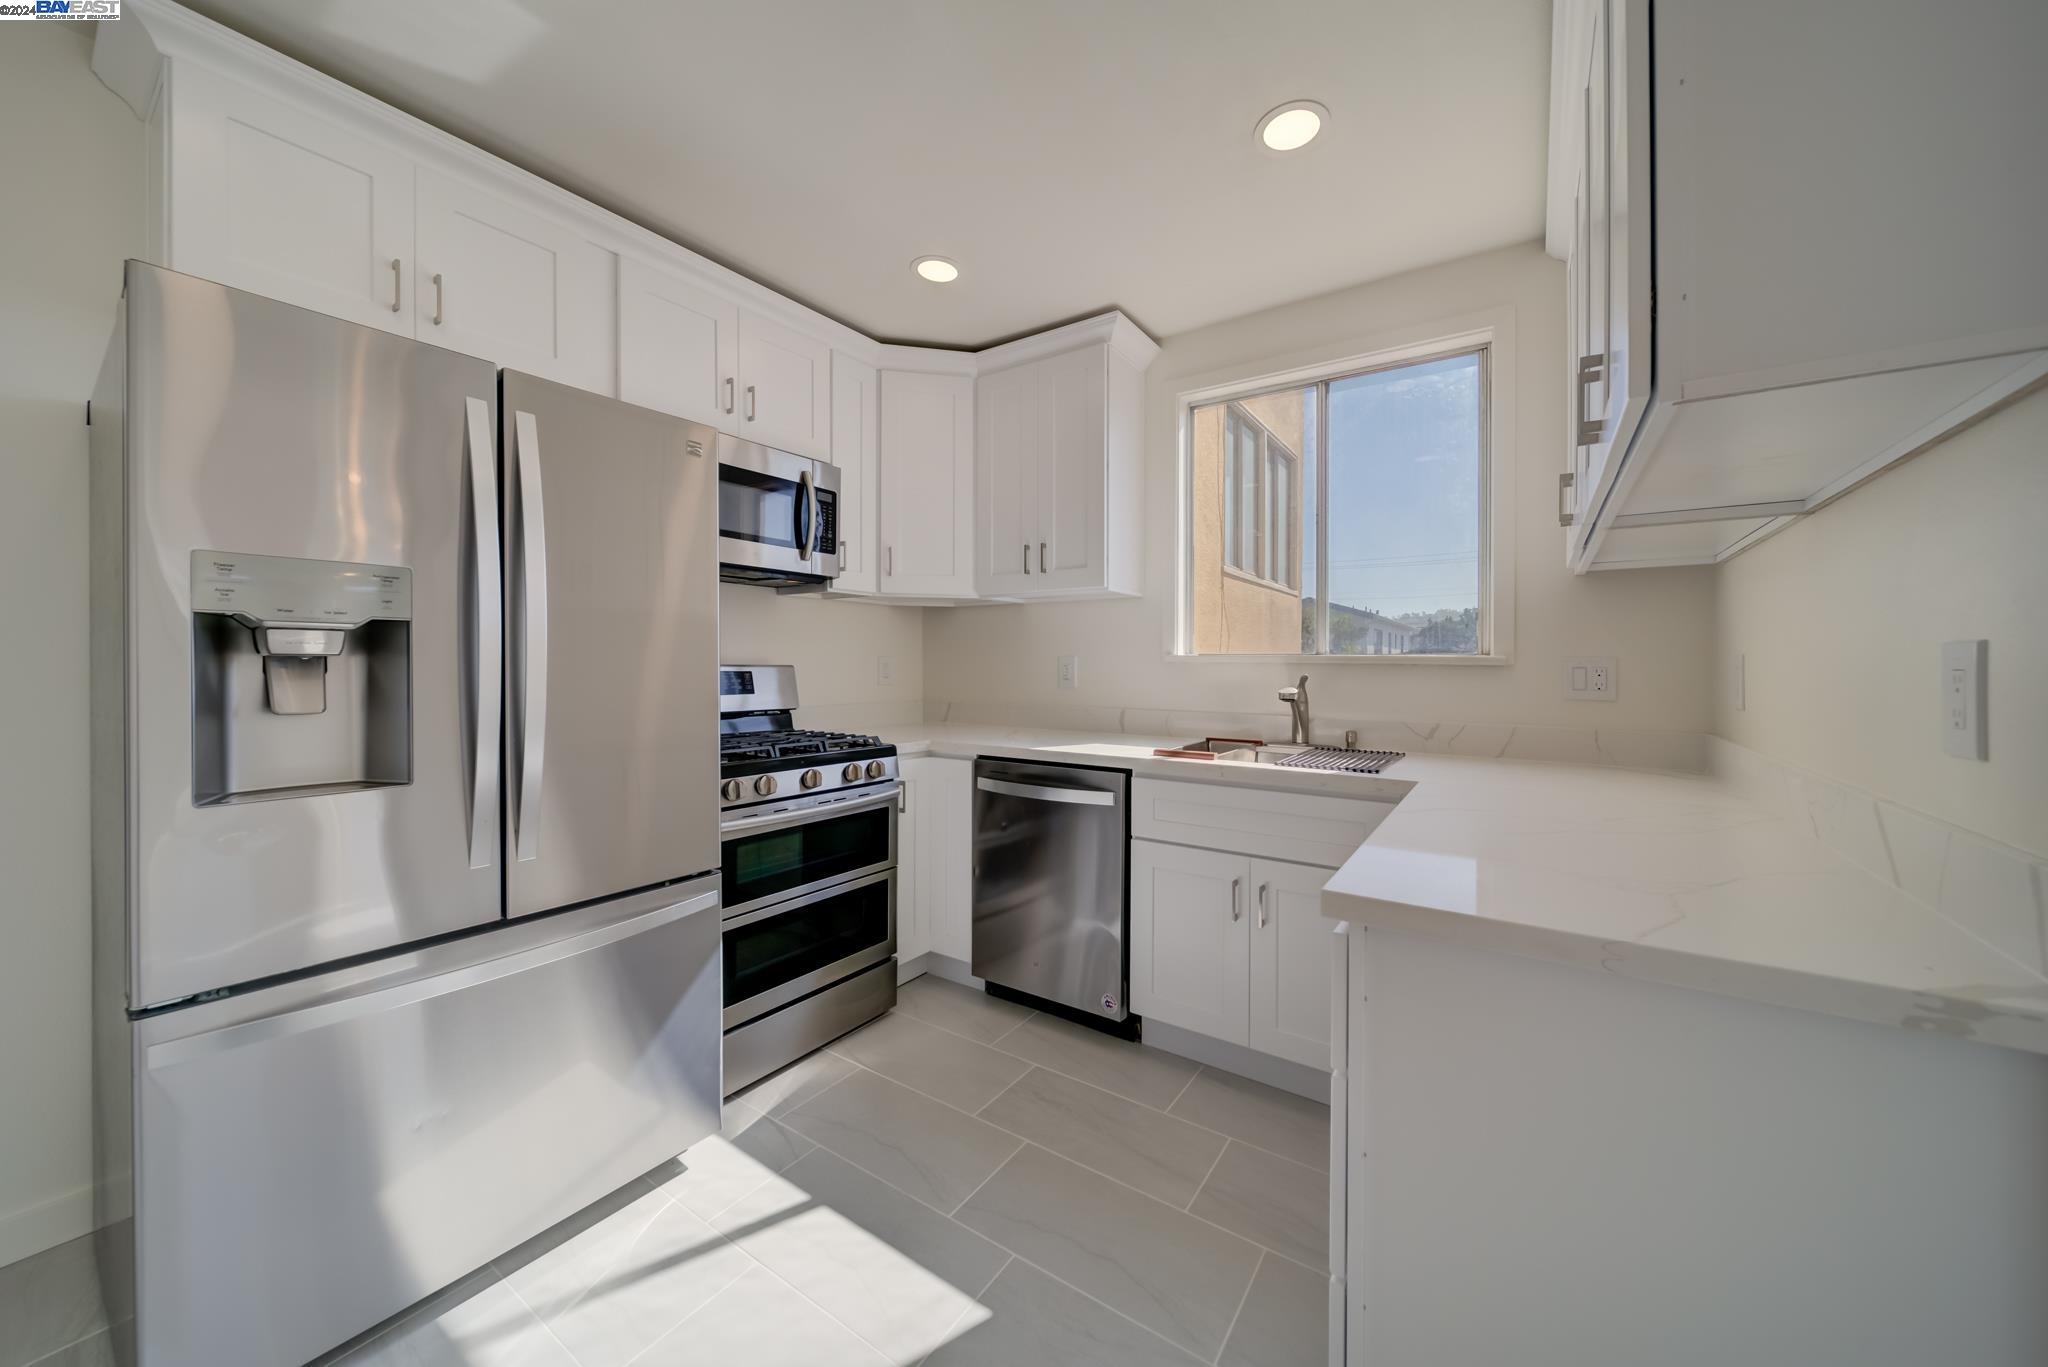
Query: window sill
[[1231, 571], [1457, 661]]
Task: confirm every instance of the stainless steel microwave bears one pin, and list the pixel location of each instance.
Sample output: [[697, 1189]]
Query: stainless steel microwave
[[778, 517]]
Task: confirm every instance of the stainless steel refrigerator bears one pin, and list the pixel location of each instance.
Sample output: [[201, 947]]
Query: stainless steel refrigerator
[[405, 815]]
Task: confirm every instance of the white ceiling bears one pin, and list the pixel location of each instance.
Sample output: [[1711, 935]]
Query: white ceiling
[[1070, 154]]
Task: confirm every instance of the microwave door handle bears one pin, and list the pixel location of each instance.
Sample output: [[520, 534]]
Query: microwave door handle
[[806, 515], [533, 702], [488, 666]]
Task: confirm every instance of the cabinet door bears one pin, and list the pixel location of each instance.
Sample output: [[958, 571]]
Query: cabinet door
[[678, 346], [270, 199], [1073, 395], [927, 484], [949, 863], [913, 927], [785, 383], [1291, 946], [524, 291], [855, 434], [1008, 415], [1189, 938]]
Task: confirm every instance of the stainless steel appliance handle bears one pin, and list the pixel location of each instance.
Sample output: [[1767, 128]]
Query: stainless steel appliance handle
[[489, 664], [1262, 905], [533, 719], [770, 820], [1236, 899], [437, 298], [1080, 797], [750, 403], [806, 516], [396, 288], [728, 393]]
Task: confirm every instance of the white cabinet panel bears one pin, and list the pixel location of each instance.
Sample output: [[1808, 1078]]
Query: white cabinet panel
[[927, 484], [1291, 947], [1304, 827], [1189, 938], [678, 346], [941, 809], [856, 435], [1073, 394], [270, 199], [1008, 416], [913, 929], [785, 384], [506, 284]]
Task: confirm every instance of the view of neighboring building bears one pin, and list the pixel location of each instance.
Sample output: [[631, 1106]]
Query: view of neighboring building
[[1246, 526]]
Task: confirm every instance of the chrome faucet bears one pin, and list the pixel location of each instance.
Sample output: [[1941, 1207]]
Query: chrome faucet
[[1296, 699]]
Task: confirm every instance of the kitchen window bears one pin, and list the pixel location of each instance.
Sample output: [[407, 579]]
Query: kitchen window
[[1345, 513]]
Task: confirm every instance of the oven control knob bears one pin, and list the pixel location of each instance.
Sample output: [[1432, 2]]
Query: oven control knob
[[876, 768], [850, 774], [765, 785], [731, 790], [812, 778]]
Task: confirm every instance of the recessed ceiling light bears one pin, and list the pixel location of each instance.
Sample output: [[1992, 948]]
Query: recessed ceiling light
[[1292, 125], [936, 269]]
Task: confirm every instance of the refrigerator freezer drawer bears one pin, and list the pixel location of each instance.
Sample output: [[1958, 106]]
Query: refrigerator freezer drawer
[[309, 1172]]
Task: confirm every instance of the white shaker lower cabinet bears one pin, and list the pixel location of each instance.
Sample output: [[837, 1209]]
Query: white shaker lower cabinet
[[1189, 949], [934, 859], [1290, 963], [785, 387], [507, 284], [927, 484], [678, 345], [267, 197]]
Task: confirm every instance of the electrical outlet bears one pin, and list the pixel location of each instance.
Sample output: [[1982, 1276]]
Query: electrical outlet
[[1962, 698], [885, 670], [1070, 671], [1591, 680], [1738, 684]]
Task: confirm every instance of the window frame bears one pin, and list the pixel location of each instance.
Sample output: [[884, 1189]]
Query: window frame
[[1490, 333], [1268, 450]]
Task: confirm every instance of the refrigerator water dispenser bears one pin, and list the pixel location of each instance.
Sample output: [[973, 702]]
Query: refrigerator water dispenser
[[301, 676]]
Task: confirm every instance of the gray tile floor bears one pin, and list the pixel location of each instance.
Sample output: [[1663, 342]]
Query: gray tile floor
[[960, 1182]]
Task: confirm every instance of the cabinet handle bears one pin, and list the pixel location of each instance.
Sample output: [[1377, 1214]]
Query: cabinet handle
[[1262, 906], [1591, 368], [1027, 557], [437, 298], [1565, 481], [750, 403], [1236, 899], [728, 393], [889, 561], [395, 287], [1041, 557]]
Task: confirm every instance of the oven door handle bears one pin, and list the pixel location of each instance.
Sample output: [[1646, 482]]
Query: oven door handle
[[805, 899], [741, 825]]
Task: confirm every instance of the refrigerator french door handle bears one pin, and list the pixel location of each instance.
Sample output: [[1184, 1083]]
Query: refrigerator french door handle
[[488, 678], [533, 703]]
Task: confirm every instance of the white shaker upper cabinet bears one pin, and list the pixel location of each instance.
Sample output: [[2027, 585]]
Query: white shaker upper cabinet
[[785, 387], [268, 198], [856, 436], [501, 282], [679, 346], [927, 484]]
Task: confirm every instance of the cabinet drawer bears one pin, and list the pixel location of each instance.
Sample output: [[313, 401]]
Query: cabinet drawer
[[1306, 828]]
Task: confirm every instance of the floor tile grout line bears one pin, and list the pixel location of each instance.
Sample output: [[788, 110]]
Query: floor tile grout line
[[1021, 1142], [1202, 1185], [1087, 1295], [877, 1348], [1236, 1314], [547, 1328], [649, 1347], [1168, 1108], [1005, 1092], [109, 1329], [1027, 1140]]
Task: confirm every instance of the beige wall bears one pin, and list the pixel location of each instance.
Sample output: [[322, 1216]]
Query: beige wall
[[837, 647], [1842, 616], [71, 175], [1657, 623]]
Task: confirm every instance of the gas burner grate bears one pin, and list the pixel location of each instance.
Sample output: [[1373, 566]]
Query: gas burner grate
[[1342, 761]]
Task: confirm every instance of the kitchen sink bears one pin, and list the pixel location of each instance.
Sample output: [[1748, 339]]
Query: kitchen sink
[[1290, 756]]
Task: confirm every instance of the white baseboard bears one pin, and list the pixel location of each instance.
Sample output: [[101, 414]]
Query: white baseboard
[[46, 1224]]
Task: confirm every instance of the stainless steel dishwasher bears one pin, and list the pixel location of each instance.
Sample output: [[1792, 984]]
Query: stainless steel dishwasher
[[1051, 896]]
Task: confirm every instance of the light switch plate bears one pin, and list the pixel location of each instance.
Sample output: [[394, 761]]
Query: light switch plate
[[1738, 682], [1962, 698], [1070, 671], [885, 670], [1591, 679]]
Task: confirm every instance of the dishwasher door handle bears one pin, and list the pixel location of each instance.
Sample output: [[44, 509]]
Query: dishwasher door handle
[[1079, 797]]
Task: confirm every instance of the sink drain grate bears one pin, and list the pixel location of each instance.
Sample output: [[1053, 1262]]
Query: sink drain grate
[[1344, 761]]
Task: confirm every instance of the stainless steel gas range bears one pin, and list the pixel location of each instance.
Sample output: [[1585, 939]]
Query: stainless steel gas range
[[808, 825]]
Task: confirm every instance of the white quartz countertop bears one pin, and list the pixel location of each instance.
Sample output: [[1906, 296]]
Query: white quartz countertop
[[1667, 877]]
